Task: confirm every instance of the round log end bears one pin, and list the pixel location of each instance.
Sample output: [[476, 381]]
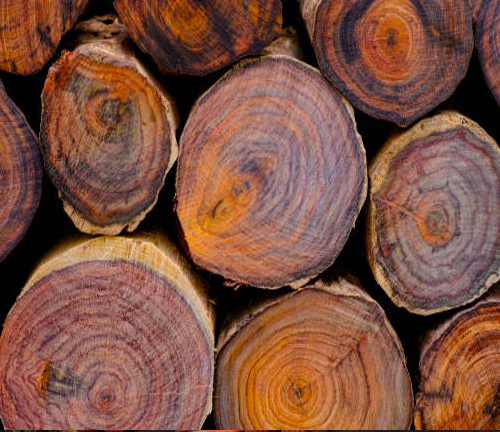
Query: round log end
[[113, 333], [196, 38], [324, 357], [433, 222], [271, 175], [394, 60], [20, 174], [107, 136]]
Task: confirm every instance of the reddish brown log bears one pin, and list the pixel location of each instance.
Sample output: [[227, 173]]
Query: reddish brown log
[[20, 174], [433, 237], [196, 38], [460, 370], [108, 131], [323, 357], [271, 175], [30, 31], [393, 59], [113, 333]]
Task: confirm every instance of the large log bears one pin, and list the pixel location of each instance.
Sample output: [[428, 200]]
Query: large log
[[20, 174], [393, 59], [488, 44], [30, 31], [460, 370], [323, 357], [109, 333], [196, 38], [107, 132], [433, 237], [271, 175]]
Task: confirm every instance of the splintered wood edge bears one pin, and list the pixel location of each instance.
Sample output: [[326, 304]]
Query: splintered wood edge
[[377, 172]]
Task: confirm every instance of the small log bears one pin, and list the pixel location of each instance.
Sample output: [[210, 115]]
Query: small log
[[109, 333], [30, 31], [394, 60], [323, 357], [20, 174], [271, 175], [197, 38], [107, 132], [433, 221], [460, 370], [488, 44]]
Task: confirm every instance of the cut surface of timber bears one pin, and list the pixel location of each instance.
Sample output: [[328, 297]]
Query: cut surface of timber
[[323, 357], [271, 175], [460, 370], [393, 59], [433, 221], [107, 132], [109, 333], [488, 44], [30, 31], [20, 174], [196, 38]]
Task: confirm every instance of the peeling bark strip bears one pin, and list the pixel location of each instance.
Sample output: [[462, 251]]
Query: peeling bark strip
[[460, 370], [394, 60], [20, 174], [271, 175], [107, 133], [197, 37], [30, 31], [433, 219], [488, 44], [110, 333], [324, 357]]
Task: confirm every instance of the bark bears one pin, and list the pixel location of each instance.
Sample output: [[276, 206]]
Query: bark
[[323, 357], [20, 174], [394, 60], [460, 370], [271, 175], [107, 132], [109, 333], [196, 38], [30, 31], [433, 238]]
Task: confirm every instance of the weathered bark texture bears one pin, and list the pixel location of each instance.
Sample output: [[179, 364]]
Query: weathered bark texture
[[30, 31], [110, 333], [323, 357], [20, 174], [196, 38], [460, 370], [271, 175], [433, 222], [394, 60], [107, 133]]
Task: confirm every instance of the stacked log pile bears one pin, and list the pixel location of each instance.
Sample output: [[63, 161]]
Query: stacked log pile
[[252, 214]]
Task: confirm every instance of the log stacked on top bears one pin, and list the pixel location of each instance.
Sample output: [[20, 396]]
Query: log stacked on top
[[107, 133], [396, 60], [271, 175], [109, 333]]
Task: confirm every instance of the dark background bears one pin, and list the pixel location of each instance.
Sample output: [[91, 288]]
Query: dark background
[[51, 224]]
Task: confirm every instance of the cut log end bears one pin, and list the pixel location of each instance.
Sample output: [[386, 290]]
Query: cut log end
[[107, 135], [31, 31], [324, 357], [20, 174], [271, 175], [394, 60], [460, 372], [196, 38], [433, 221], [104, 336]]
